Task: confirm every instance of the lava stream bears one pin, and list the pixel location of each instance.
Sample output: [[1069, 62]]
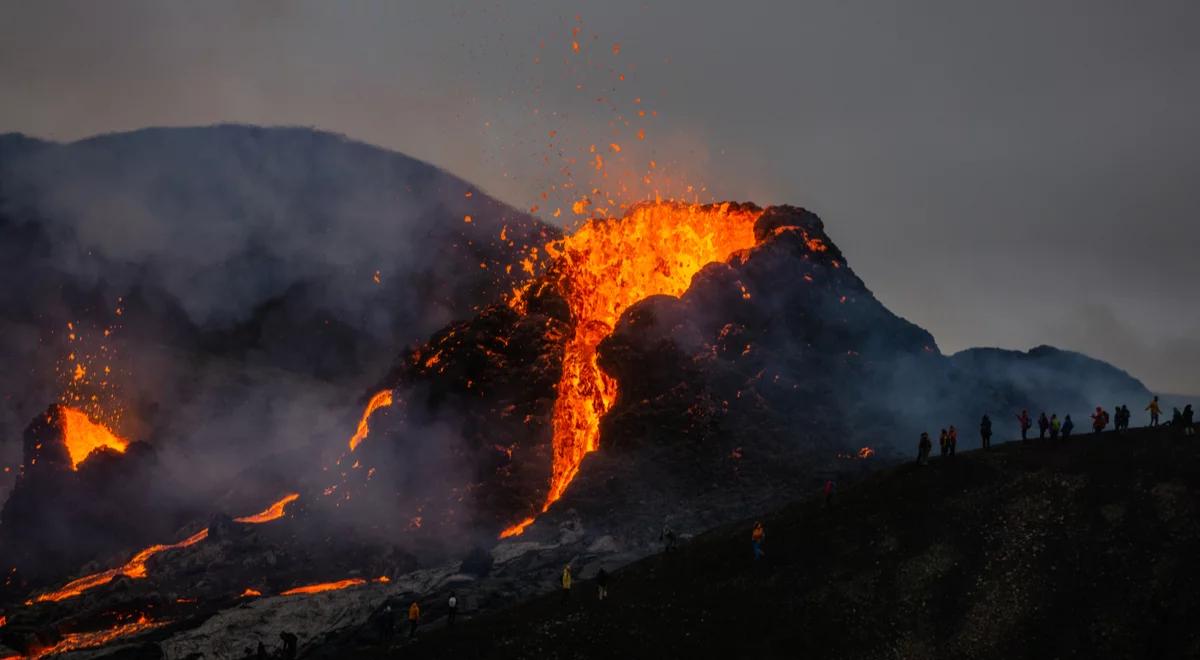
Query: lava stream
[[87, 640], [136, 568], [602, 269], [382, 399], [83, 436], [324, 586]]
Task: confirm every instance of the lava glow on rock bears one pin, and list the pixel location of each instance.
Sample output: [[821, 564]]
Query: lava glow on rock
[[324, 586], [83, 436], [602, 269]]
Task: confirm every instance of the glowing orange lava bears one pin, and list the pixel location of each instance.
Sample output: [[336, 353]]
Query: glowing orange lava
[[602, 269], [250, 593], [324, 586], [866, 452], [83, 436], [136, 568], [273, 512], [381, 399], [87, 640]]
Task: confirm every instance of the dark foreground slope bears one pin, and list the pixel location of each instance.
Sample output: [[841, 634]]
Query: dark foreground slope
[[1084, 548]]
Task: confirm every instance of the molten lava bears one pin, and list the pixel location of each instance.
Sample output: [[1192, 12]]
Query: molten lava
[[324, 586], [83, 436], [87, 640], [136, 568], [273, 512], [381, 399], [602, 269]]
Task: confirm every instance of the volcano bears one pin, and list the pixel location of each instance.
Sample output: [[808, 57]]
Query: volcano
[[680, 366]]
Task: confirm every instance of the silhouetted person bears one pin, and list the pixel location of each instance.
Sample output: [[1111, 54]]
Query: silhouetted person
[[451, 609], [1026, 423], [923, 449], [1155, 411], [414, 618], [985, 432], [387, 621], [667, 536], [1125, 417], [261, 653], [1176, 418], [828, 490], [944, 442], [1099, 420], [952, 438], [757, 537], [290, 643], [1043, 426], [1068, 426], [1189, 427], [602, 583], [1055, 425], [566, 582]]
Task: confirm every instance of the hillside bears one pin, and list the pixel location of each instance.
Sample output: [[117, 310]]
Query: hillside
[[1082, 548]]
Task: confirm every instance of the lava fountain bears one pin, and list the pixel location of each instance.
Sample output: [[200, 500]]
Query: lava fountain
[[83, 436], [602, 269]]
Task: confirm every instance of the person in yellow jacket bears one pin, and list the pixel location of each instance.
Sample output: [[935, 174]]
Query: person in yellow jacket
[[566, 582], [1155, 411], [414, 617]]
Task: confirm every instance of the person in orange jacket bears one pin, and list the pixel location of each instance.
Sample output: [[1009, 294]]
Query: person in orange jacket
[[1099, 420], [756, 540], [566, 582], [414, 617], [1155, 411]]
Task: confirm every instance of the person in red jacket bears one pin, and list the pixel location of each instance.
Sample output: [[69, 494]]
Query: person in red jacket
[[1025, 422], [1099, 420]]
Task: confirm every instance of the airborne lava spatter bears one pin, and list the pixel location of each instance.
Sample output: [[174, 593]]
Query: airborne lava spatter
[[83, 436], [602, 269]]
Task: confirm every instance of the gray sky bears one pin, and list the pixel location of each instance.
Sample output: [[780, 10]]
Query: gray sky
[[1001, 173]]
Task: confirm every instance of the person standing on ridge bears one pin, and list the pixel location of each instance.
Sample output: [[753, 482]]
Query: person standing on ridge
[[828, 490], [451, 609], [985, 432], [952, 437], [1055, 425], [756, 540], [1026, 423], [923, 449], [1189, 427], [1067, 427], [566, 582], [1155, 411], [1043, 426], [414, 617], [1099, 420], [602, 583], [944, 442]]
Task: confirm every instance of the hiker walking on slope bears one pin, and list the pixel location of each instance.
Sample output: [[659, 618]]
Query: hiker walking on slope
[[923, 449], [1043, 426], [414, 617], [944, 442], [566, 582], [1099, 420], [451, 609], [756, 541], [952, 438], [1067, 427], [1055, 425], [1155, 411], [602, 583], [1026, 423], [985, 432]]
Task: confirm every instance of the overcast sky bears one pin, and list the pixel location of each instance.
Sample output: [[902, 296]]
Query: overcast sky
[[1002, 173]]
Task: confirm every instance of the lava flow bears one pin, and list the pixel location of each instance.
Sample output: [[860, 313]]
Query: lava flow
[[83, 436], [136, 568], [87, 640], [324, 586], [602, 269], [382, 399]]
